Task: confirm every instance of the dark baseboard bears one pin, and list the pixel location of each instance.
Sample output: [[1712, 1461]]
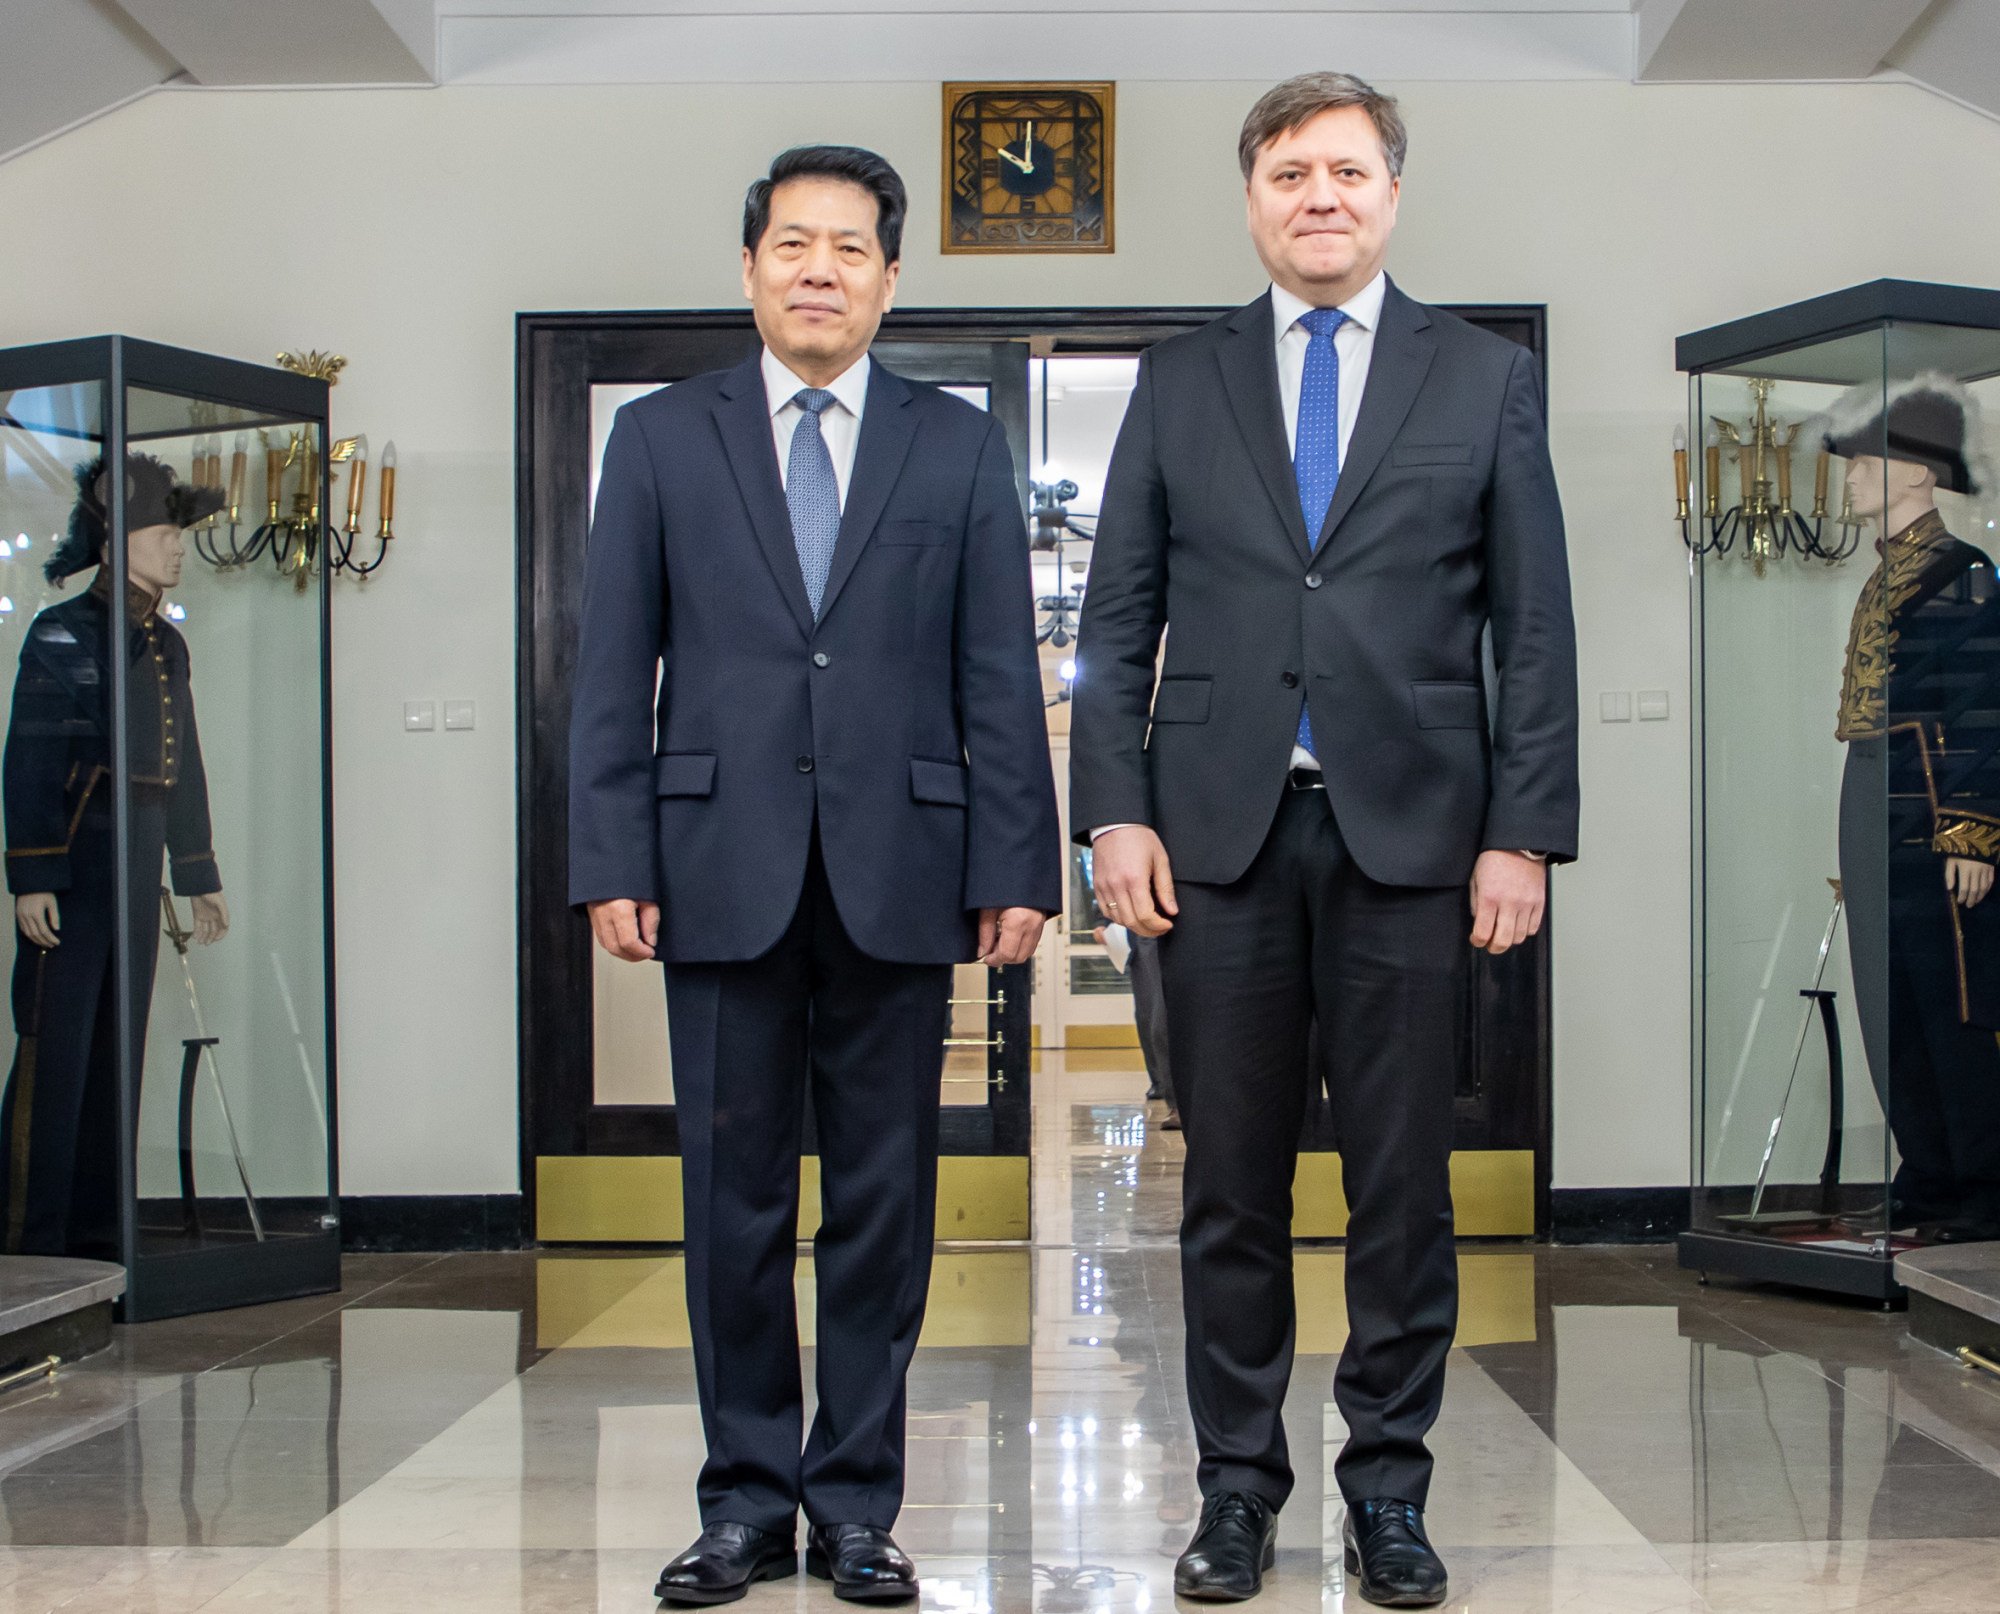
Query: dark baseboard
[[1617, 1215], [432, 1222]]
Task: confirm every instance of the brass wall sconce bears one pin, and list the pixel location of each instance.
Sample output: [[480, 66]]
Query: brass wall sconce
[[1763, 518], [295, 533]]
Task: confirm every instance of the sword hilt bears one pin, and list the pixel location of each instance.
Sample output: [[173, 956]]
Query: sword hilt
[[179, 937]]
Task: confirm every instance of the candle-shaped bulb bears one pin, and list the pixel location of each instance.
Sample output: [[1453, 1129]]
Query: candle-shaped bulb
[[357, 480], [1712, 438], [239, 463], [388, 490], [1680, 439]]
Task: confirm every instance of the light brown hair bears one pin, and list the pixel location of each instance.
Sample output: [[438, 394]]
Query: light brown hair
[[1297, 101]]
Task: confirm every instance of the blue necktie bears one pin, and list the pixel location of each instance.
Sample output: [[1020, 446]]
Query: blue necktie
[[1316, 453], [812, 494]]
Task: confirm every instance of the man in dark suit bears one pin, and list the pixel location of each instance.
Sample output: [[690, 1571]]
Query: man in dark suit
[[1330, 497], [842, 790]]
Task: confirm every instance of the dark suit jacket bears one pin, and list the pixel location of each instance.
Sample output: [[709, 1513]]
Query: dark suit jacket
[[907, 721], [1445, 519], [57, 762]]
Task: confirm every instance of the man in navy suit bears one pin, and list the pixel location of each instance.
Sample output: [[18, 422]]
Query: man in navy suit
[[841, 790]]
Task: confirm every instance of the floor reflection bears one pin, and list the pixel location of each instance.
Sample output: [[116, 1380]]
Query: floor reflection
[[519, 1432]]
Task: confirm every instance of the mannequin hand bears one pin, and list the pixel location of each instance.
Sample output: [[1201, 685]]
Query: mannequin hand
[[626, 929], [1135, 881], [1009, 935], [211, 918], [40, 917], [1509, 894], [1968, 880]]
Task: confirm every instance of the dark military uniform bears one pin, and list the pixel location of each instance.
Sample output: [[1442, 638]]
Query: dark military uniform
[[59, 1173], [1920, 712]]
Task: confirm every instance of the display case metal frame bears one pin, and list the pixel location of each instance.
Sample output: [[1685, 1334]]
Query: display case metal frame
[[170, 1283], [1878, 306]]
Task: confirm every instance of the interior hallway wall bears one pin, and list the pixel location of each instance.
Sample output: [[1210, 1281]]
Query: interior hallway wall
[[407, 228]]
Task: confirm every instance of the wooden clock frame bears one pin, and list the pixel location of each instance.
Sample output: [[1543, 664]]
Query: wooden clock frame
[[963, 168]]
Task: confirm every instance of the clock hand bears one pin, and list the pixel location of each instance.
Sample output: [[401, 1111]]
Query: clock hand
[[1028, 148], [1026, 168]]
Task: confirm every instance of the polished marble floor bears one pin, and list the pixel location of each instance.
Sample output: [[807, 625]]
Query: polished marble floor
[[518, 1433]]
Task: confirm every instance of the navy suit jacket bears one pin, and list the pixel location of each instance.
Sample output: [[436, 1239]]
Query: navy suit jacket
[[1445, 522], [907, 722]]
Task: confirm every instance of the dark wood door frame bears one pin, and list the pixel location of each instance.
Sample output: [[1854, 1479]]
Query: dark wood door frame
[[559, 357]]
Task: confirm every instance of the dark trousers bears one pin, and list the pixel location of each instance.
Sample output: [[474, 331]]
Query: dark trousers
[[864, 1041], [1938, 1078], [1149, 1010], [59, 1171], [1305, 933]]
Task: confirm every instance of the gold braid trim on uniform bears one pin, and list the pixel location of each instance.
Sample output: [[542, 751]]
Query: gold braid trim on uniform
[[1871, 641], [1967, 835]]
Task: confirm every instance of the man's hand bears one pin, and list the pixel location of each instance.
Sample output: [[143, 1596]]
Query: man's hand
[[1968, 880], [40, 917], [1009, 935], [1135, 883], [1510, 892], [211, 918], [626, 929]]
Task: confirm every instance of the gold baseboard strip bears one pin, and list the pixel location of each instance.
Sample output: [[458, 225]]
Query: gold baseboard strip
[[636, 1199], [1492, 1191]]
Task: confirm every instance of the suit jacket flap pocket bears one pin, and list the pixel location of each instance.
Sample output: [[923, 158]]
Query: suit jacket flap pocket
[[685, 773], [940, 782], [1433, 454], [1449, 706], [1182, 700]]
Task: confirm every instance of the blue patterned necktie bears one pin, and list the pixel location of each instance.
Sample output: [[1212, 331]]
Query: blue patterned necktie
[[812, 494], [1316, 453]]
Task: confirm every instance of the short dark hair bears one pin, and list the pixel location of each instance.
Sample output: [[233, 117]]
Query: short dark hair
[[858, 167], [1298, 101]]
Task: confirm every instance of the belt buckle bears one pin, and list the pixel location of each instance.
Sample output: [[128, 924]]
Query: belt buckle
[[1306, 779]]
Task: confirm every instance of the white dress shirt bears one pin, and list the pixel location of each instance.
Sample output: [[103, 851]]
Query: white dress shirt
[[839, 422]]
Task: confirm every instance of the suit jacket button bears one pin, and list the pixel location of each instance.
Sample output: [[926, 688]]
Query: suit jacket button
[[1289, 679], [820, 658], [1313, 580], [805, 764]]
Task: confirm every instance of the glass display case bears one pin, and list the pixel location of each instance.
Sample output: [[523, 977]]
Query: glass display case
[[170, 1087], [1838, 499]]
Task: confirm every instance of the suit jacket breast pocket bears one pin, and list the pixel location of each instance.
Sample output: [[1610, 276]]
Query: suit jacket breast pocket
[[906, 533], [1423, 455]]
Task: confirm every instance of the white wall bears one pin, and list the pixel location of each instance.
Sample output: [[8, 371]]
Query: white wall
[[406, 229]]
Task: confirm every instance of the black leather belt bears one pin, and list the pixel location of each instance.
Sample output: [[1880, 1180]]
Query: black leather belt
[[1306, 779]]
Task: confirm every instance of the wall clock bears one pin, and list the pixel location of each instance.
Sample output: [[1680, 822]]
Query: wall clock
[[1027, 167]]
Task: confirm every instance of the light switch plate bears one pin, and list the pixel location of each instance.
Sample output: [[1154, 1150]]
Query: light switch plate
[[1614, 706], [458, 714], [1653, 706], [419, 716]]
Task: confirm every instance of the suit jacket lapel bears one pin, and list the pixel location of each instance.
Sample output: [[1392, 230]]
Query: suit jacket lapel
[[743, 415], [887, 427], [1404, 348], [1249, 361]]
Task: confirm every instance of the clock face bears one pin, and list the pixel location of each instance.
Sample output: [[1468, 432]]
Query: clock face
[[1027, 168]]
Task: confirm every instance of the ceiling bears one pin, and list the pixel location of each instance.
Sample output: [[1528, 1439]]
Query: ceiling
[[63, 62]]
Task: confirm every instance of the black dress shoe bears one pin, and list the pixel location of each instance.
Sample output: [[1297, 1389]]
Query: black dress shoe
[[1236, 1541], [1390, 1556], [723, 1561], [863, 1562]]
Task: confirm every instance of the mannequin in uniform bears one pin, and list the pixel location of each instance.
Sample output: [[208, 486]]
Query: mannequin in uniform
[[1920, 803], [59, 1122]]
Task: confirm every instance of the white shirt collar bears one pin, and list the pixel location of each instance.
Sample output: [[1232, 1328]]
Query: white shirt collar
[[1364, 308], [849, 388]]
